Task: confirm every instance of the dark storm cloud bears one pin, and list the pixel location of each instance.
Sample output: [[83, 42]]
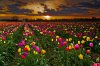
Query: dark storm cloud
[[95, 5], [15, 9], [54, 7], [67, 11]]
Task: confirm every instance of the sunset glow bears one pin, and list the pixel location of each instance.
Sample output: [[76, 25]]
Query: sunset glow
[[47, 17]]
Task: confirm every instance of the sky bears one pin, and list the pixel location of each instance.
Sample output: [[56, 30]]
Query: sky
[[51, 7]]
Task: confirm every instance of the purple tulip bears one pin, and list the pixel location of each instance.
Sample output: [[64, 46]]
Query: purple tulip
[[34, 46], [22, 43], [25, 53], [62, 43]]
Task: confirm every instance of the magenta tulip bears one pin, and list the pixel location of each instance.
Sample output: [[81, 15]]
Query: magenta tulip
[[91, 44], [76, 47]]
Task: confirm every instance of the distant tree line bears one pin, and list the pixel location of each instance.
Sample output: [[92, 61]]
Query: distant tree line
[[15, 19]]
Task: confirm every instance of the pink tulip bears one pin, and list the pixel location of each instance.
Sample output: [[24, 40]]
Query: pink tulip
[[91, 44], [23, 42], [3, 38], [76, 47], [37, 49], [64, 42], [59, 39], [95, 64], [5, 33]]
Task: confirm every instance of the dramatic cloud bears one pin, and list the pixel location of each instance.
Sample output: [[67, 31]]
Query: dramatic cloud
[[35, 8], [52, 7]]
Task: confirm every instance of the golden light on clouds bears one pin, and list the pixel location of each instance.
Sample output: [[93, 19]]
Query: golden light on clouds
[[54, 4], [51, 7], [35, 8]]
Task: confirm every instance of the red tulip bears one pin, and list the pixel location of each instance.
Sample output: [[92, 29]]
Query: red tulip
[[67, 49], [59, 45], [22, 56], [65, 43], [88, 51], [98, 64], [3, 38], [25, 49]]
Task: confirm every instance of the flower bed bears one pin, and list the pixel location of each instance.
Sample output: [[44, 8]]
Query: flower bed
[[52, 44]]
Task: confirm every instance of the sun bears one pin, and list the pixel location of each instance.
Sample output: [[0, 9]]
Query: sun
[[47, 17]]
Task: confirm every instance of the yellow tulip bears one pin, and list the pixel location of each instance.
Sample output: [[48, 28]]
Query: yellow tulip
[[4, 42], [84, 31], [80, 56], [75, 35], [70, 47], [79, 42], [56, 39], [20, 53], [41, 32], [57, 36], [51, 39], [84, 37], [70, 39], [82, 41], [88, 38], [33, 43], [27, 46], [67, 40], [91, 28], [19, 50], [35, 52], [54, 31], [25, 38], [96, 37], [43, 51]]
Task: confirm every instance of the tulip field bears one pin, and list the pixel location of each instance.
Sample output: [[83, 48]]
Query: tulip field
[[50, 44]]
